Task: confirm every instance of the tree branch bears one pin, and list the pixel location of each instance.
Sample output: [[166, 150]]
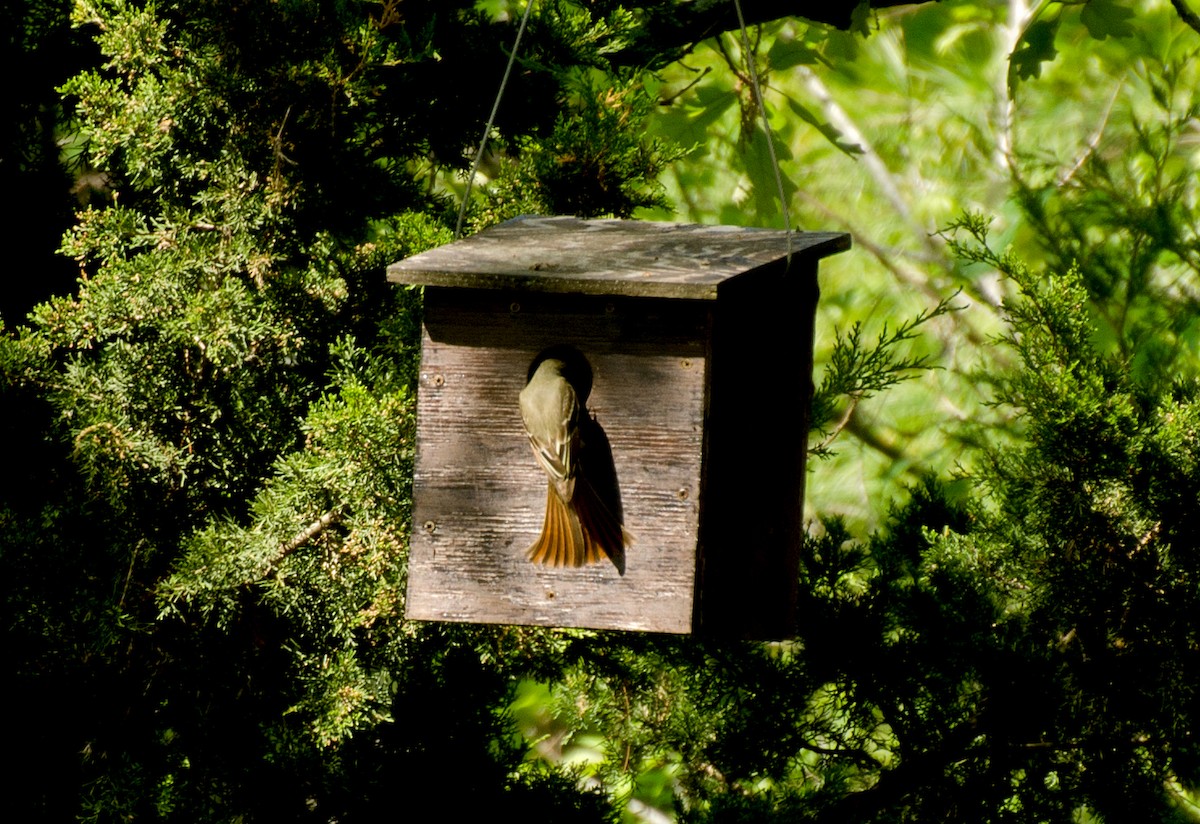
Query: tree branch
[[672, 30], [307, 534], [1186, 14]]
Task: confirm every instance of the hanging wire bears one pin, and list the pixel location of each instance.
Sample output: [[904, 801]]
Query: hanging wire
[[758, 99], [487, 130], [762, 109]]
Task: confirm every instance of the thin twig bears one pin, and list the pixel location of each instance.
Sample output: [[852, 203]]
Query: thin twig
[[837, 428], [671, 98], [1093, 141]]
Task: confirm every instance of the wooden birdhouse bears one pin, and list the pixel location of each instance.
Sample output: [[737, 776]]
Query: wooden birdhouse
[[675, 394]]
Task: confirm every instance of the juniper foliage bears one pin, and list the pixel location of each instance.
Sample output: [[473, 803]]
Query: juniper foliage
[[205, 555]]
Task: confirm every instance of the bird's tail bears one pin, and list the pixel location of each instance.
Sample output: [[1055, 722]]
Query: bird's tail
[[561, 542], [581, 531]]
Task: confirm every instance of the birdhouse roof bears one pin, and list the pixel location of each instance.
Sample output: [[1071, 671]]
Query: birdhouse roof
[[636, 258]]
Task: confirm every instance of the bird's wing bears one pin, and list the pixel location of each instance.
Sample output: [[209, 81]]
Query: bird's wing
[[550, 414]]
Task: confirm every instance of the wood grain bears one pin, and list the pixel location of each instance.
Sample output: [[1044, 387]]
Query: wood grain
[[480, 495]]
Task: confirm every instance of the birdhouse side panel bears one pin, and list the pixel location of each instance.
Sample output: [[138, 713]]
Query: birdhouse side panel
[[757, 433], [480, 495]]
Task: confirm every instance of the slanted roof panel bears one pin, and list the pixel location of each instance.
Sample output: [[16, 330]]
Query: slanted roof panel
[[610, 257]]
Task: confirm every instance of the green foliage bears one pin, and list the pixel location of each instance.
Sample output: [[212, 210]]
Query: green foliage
[[1023, 656], [972, 660], [212, 545], [592, 163], [1090, 553], [855, 372], [1125, 215], [205, 545]]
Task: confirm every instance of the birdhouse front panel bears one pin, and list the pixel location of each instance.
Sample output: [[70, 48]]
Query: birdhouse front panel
[[481, 496]]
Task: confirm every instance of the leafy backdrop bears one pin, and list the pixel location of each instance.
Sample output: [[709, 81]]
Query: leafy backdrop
[[203, 529]]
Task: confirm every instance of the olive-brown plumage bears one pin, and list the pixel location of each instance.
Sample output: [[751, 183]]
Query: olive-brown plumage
[[579, 528]]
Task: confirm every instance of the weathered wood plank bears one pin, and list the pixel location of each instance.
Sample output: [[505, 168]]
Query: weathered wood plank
[[610, 257], [480, 495]]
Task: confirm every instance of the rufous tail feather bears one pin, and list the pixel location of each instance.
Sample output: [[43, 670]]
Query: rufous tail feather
[[561, 542], [580, 532]]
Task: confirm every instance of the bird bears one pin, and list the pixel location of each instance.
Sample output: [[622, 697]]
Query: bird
[[580, 527]]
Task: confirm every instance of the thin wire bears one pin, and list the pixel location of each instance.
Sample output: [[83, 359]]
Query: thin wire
[[758, 99], [487, 130]]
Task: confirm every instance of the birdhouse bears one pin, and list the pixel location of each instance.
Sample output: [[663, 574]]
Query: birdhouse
[[611, 425]]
